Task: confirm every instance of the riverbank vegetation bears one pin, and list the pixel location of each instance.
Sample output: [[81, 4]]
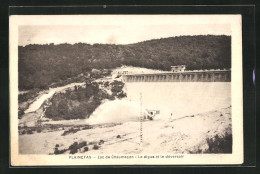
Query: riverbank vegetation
[[81, 102], [40, 66], [29, 95], [220, 144]]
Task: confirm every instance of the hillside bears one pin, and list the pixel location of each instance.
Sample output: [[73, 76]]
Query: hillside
[[41, 65]]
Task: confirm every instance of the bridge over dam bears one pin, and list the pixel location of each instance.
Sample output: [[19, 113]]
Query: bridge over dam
[[184, 76]]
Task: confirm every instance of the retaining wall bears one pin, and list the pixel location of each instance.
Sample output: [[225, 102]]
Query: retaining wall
[[186, 76]]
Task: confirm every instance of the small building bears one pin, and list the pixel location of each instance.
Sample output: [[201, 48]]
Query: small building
[[179, 68], [119, 73], [150, 114], [124, 73]]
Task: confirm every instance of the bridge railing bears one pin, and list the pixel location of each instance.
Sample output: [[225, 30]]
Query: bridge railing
[[188, 76]]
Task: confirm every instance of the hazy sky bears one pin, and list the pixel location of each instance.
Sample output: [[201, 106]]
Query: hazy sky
[[121, 32]]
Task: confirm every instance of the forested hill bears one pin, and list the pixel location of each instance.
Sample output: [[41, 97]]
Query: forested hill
[[41, 65]]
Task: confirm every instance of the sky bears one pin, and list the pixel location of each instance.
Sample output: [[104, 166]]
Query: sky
[[113, 31]]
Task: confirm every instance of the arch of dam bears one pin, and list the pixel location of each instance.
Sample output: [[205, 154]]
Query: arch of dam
[[186, 76]]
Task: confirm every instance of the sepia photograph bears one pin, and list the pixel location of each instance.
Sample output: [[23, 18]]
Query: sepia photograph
[[126, 89]]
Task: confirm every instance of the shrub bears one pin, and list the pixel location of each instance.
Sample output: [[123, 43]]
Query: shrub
[[23, 132], [220, 144], [87, 127], [91, 143], [82, 144], [73, 146], [111, 97], [29, 132], [70, 131], [92, 89], [73, 151], [117, 86], [95, 147], [57, 151], [85, 149], [121, 95], [101, 142], [106, 84], [20, 114]]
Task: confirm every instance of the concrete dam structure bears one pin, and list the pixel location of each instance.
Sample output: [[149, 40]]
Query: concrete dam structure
[[182, 76], [195, 94]]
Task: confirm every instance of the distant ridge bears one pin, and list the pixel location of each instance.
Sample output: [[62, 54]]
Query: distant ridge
[[41, 65]]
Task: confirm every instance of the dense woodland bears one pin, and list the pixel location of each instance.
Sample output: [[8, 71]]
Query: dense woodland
[[80, 102], [41, 65]]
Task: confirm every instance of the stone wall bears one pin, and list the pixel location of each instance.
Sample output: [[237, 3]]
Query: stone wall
[[187, 76]]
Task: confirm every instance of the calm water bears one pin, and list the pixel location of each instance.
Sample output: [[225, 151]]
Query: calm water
[[180, 99]]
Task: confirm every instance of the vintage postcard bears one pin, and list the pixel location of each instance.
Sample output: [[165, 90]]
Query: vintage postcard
[[126, 90]]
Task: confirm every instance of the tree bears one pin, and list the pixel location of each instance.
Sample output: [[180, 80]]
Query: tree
[[41, 65]]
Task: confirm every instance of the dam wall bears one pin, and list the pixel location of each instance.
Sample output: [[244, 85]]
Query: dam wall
[[186, 76]]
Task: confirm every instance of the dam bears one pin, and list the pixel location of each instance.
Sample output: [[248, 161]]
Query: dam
[[182, 93], [180, 99], [182, 76], [194, 92]]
